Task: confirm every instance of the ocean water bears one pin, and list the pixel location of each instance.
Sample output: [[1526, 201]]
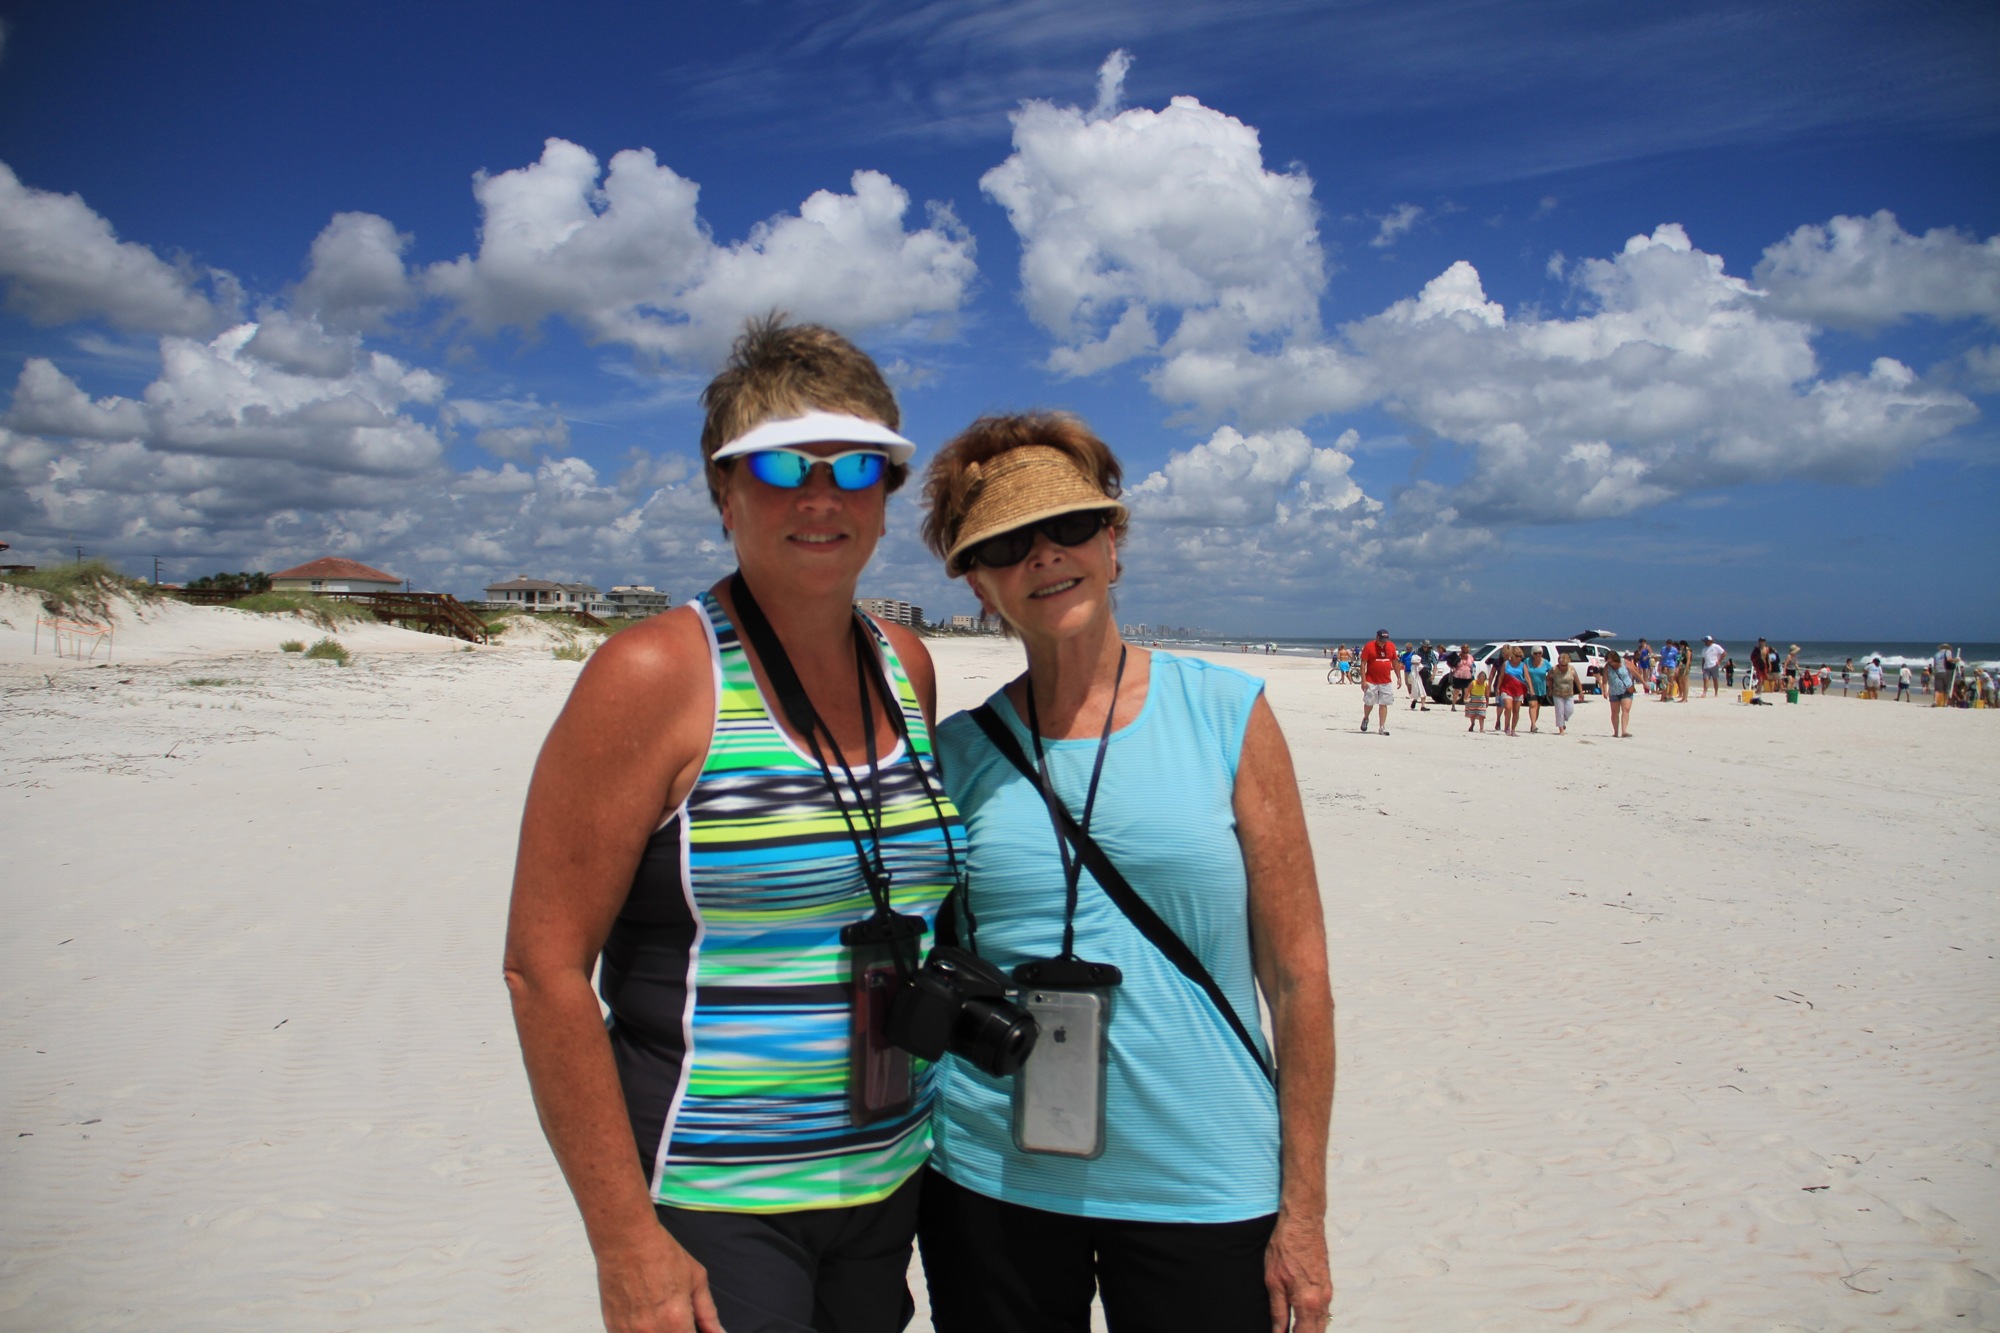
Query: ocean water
[[1812, 652]]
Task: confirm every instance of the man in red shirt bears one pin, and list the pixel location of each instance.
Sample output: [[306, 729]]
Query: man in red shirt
[[1378, 680]]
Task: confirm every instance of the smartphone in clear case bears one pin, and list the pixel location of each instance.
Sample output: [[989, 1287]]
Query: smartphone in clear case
[[1059, 1092]]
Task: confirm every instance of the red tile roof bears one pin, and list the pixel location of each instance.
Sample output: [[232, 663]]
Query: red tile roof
[[335, 567]]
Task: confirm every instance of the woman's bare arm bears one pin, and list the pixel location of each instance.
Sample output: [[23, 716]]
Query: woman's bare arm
[[623, 752], [1288, 938]]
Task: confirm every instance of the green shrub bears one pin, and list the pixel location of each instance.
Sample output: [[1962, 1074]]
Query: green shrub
[[292, 646], [325, 612], [571, 652], [200, 681], [330, 650], [84, 589]]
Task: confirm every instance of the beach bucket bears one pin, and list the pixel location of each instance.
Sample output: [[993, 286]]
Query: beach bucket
[[1792, 695], [1749, 695]]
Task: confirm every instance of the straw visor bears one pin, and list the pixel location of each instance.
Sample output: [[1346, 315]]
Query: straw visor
[[818, 428], [1019, 487]]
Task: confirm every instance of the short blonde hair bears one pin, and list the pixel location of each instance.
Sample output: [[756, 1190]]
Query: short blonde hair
[[778, 370], [949, 482]]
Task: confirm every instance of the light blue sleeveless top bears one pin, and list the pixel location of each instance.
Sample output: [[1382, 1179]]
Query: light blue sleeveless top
[[1191, 1123]]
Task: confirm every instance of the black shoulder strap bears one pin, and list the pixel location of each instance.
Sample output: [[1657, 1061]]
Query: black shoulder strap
[[1122, 893]]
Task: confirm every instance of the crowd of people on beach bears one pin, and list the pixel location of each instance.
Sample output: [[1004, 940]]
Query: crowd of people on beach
[[1517, 678]]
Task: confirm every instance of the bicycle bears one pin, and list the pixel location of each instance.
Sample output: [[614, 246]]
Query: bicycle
[[1344, 673]]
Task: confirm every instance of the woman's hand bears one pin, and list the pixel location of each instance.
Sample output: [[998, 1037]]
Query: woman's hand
[[1295, 1274], [655, 1287]]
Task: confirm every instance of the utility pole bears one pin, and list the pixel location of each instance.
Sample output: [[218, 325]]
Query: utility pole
[[79, 555], [156, 571]]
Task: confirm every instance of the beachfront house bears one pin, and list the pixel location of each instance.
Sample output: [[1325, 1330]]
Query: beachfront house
[[547, 595], [333, 573], [636, 601]]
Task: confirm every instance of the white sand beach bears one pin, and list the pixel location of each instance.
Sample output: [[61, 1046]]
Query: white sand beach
[[1699, 1033]]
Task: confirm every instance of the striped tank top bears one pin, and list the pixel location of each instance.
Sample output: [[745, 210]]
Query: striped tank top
[[724, 974]]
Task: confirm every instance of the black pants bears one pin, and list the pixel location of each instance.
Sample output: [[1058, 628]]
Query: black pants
[[995, 1267], [823, 1270]]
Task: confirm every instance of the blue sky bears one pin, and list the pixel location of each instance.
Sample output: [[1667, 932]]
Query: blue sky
[[1487, 316]]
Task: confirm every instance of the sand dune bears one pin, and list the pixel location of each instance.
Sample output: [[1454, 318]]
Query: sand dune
[[1697, 1033]]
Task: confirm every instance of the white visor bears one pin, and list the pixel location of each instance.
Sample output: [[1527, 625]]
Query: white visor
[[819, 428]]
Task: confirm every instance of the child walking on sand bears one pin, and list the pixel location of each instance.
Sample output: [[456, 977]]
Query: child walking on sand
[[1475, 704]]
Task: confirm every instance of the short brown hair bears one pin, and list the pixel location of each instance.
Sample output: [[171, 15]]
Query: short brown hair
[[780, 370], [951, 482]]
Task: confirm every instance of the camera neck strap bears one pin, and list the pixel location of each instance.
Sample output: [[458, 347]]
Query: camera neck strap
[[1072, 864], [1122, 894], [805, 719]]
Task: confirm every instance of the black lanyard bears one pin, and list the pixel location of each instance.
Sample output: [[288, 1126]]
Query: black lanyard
[[806, 720], [1072, 864]]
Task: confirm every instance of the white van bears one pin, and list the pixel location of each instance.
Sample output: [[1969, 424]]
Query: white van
[[1587, 657]]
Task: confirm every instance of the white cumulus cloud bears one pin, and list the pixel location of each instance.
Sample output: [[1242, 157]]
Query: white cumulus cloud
[[1394, 224], [629, 261], [1863, 273], [62, 262], [1678, 378], [1154, 219], [356, 278]]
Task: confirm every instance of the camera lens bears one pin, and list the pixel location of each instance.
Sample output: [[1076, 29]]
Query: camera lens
[[994, 1034]]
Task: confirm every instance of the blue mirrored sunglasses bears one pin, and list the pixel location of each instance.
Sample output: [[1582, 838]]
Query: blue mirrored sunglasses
[[787, 469]]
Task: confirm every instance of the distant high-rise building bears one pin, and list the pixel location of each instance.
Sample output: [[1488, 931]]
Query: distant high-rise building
[[894, 611]]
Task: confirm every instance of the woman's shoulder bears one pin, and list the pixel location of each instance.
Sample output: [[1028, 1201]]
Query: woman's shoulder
[[1201, 676]]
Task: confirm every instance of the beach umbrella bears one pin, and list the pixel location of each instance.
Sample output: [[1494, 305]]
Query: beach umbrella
[[1587, 635]]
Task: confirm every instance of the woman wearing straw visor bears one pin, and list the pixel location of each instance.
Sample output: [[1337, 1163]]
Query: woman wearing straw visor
[[737, 800], [1182, 1174]]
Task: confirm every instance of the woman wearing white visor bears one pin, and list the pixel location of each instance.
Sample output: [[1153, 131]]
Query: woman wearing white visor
[[737, 820]]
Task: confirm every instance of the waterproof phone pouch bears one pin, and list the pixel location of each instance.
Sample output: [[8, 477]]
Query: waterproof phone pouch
[[881, 951], [1059, 1092]]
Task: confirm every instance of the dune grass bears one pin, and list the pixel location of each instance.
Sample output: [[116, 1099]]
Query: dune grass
[[292, 646], [325, 612], [82, 590], [330, 650], [574, 651], [200, 682]]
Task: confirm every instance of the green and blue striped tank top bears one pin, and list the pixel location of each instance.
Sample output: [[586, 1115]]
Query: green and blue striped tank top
[[724, 974]]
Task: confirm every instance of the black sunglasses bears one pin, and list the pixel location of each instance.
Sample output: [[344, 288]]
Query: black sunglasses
[[1012, 547]]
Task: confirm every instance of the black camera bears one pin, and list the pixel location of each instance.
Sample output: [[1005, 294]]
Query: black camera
[[958, 1002]]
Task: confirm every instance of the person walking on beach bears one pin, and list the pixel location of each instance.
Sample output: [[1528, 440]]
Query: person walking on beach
[[737, 810], [1712, 654], [1538, 687], [1173, 1174], [1413, 670], [1670, 666], [1475, 704], [1513, 680], [1563, 686], [1463, 672], [1902, 682], [1682, 673], [1845, 673], [1941, 676], [1618, 690], [1871, 680], [1378, 680], [1760, 666]]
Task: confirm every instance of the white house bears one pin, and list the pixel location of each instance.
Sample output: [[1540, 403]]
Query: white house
[[548, 595]]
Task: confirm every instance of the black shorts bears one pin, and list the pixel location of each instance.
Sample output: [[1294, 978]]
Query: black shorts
[[820, 1270], [996, 1267]]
